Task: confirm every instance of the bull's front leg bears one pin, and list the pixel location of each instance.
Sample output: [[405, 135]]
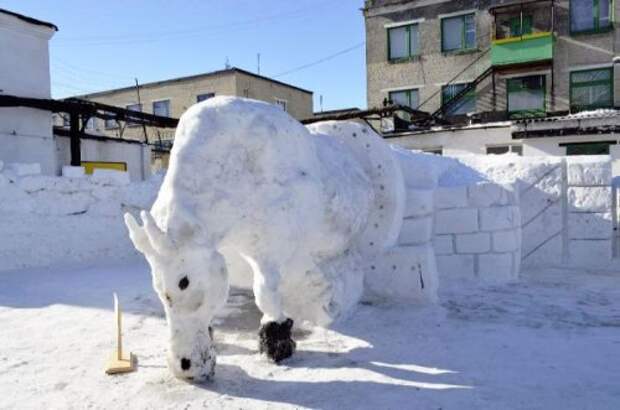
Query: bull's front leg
[[275, 332]]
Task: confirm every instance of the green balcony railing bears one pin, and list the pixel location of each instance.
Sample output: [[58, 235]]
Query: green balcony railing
[[522, 49]]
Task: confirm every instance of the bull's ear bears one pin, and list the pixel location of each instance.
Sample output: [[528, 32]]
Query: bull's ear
[[137, 235]]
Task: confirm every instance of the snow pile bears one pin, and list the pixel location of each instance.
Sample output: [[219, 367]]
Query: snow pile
[[48, 220]]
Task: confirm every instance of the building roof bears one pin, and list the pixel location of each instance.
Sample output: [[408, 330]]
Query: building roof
[[232, 70], [29, 19]]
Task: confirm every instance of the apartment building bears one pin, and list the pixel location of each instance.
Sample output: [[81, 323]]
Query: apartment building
[[468, 61], [172, 97]]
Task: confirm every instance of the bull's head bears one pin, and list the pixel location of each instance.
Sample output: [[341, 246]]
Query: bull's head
[[192, 283]]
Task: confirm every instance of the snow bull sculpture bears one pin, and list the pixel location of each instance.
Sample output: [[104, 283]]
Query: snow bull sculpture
[[298, 206]]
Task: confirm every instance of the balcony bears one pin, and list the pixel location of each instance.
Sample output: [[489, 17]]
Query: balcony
[[522, 32], [523, 49]]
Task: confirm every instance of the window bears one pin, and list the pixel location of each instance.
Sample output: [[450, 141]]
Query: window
[[110, 124], [403, 42], [205, 96], [520, 27], [161, 108], [458, 33], [526, 96], [90, 124], [465, 104], [504, 149], [133, 107], [591, 89], [436, 151], [281, 103], [409, 98], [588, 148], [66, 122], [590, 15]]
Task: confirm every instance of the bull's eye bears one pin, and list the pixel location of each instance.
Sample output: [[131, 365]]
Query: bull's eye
[[183, 283], [185, 364]]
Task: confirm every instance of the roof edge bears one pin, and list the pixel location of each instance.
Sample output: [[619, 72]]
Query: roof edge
[[192, 77], [28, 19]]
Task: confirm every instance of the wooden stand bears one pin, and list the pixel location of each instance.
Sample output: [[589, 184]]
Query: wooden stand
[[119, 363]]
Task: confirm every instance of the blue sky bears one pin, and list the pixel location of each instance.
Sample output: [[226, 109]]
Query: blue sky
[[105, 44]]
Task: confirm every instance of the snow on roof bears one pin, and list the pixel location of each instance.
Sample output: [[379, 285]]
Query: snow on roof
[[28, 19], [601, 113]]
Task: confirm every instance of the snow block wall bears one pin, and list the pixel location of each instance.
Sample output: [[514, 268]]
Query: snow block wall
[[477, 231], [565, 204], [589, 227], [48, 220], [407, 270]]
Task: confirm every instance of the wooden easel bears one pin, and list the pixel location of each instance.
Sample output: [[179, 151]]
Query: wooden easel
[[119, 363]]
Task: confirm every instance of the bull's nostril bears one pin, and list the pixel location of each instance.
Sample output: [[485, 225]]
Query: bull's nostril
[[183, 283], [185, 364]]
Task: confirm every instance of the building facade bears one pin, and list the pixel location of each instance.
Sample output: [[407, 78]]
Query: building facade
[[26, 133], [170, 98], [497, 60]]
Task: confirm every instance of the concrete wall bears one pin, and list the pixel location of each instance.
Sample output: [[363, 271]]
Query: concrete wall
[[458, 141], [136, 156], [25, 134]]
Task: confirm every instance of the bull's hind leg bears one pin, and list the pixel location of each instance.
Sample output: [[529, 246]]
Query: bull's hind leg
[[275, 332]]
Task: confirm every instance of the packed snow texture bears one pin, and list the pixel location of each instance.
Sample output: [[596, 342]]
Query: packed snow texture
[[565, 205], [307, 209], [549, 341], [48, 220]]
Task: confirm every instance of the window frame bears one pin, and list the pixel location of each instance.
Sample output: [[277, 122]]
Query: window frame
[[597, 19], [527, 113], [161, 101], [110, 124], [470, 94], [463, 47], [520, 21], [409, 55], [408, 91], [511, 149], [129, 123], [571, 87], [569, 145], [211, 94]]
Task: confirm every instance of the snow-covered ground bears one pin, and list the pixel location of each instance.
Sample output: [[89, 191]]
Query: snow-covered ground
[[551, 341]]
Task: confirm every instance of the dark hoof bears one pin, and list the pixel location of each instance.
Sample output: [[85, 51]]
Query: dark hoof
[[275, 340]]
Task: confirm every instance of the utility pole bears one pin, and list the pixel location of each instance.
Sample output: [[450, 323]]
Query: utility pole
[[258, 63], [146, 137]]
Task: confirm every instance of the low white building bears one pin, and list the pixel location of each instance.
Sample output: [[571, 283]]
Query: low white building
[[587, 133], [26, 133]]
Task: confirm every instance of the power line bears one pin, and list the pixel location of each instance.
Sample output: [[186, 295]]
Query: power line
[[133, 38], [321, 60]]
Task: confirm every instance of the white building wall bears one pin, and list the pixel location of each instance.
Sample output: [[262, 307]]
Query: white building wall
[[457, 142], [136, 156], [25, 134]]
